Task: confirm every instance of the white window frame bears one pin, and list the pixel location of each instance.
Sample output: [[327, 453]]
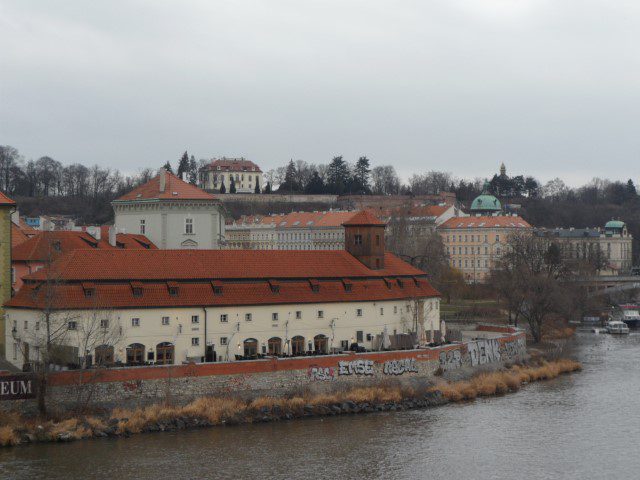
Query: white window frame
[[195, 319], [320, 313], [188, 226], [135, 322], [224, 318], [274, 317], [195, 341], [143, 226], [166, 320], [224, 340], [358, 312]]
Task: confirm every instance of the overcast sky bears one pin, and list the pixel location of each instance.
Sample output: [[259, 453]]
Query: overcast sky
[[550, 88]]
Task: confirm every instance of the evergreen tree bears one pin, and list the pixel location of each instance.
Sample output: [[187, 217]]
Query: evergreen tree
[[223, 189], [193, 171], [167, 167], [183, 165], [361, 174], [257, 189], [290, 183], [232, 186], [316, 185], [267, 188], [631, 189], [337, 176]]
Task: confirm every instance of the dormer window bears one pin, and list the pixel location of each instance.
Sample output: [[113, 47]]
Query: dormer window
[[274, 286], [348, 286], [56, 245], [173, 288], [315, 286], [89, 289], [217, 287], [387, 282], [400, 283], [136, 289]]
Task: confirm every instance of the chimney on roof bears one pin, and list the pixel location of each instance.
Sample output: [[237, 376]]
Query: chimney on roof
[[112, 235], [163, 180]]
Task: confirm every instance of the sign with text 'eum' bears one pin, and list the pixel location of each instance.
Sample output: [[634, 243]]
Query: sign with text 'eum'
[[17, 387]]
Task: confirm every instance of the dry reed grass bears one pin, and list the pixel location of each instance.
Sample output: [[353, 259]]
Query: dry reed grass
[[8, 436], [500, 382]]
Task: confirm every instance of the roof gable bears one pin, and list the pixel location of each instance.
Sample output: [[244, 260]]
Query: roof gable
[[175, 189]]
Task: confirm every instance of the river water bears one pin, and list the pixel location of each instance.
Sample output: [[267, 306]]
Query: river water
[[580, 426]]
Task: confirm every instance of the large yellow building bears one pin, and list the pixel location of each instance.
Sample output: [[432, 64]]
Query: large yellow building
[[7, 206], [474, 244]]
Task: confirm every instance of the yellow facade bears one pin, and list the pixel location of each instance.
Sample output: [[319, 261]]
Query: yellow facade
[[5, 267]]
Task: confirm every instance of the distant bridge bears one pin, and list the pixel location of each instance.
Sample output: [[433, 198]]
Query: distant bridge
[[606, 284]]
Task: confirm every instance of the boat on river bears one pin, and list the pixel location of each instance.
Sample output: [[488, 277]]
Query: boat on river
[[629, 314], [617, 327]]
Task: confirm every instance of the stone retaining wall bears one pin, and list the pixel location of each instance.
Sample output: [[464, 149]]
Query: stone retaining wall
[[130, 387]]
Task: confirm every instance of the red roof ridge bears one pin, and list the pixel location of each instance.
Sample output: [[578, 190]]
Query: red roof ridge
[[175, 189], [5, 200], [364, 217]]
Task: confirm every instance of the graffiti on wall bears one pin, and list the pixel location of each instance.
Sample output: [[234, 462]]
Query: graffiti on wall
[[450, 359], [355, 367], [320, 374], [515, 348], [484, 351], [399, 367]]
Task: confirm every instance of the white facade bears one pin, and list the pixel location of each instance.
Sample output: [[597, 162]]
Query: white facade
[[245, 175], [173, 224], [226, 328]]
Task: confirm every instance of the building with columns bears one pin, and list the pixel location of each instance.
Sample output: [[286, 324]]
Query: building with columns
[[171, 213], [174, 306]]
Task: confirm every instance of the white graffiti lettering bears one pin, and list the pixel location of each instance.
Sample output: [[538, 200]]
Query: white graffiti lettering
[[355, 367], [320, 374], [398, 367], [484, 351], [450, 359]]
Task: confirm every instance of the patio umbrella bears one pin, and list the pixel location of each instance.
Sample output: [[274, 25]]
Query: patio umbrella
[[386, 341], [422, 334], [443, 330]]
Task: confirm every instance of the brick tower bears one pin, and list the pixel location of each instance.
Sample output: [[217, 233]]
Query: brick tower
[[7, 206], [364, 239]]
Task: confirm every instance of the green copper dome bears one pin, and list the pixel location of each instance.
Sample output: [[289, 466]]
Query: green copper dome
[[614, 224], [485, 202]]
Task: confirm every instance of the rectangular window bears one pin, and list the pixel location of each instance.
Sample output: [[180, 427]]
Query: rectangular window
[[224, 318], [143, 226], [165, 320], [274, 316], [195, 341], [72, 325], [359, 312], [26, 324], [104, 323], [359, 336], [381, 311], [37, 325], [224, 341], [247, 317], [395, 309], [195, 319], [135, 322], [298, 314], [357, 239], [320, 314], [188, 226], [498, 238]]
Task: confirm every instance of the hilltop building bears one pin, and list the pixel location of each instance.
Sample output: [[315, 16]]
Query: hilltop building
[[244, 174], [171, 213], [207, 305]]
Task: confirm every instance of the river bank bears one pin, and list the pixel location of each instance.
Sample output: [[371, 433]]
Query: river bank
[[217, 411]]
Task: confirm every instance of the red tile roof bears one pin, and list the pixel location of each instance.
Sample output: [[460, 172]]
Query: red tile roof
[[163, 265], [364, 217], [234, 165], [4, 200], [485, 222], [46, 245], [134, 241], [259, 292], [299, 219], [175, 189], [17, 235]]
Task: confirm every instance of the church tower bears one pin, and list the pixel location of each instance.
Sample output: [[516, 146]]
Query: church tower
[[364, 239]]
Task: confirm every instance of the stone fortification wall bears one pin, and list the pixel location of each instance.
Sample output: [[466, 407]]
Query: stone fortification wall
[[130, 387]]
